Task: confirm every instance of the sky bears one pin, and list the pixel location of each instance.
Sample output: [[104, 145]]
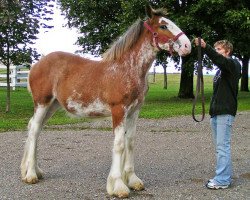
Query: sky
[[59, 38]]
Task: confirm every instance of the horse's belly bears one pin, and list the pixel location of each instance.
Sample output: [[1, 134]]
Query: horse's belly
[[93, 109]]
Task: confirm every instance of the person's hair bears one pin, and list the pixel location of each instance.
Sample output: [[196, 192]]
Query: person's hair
[[226, 45]]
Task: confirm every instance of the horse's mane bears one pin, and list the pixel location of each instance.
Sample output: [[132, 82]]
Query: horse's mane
[[125, 42]]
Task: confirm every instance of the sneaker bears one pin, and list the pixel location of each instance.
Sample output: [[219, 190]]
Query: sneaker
[[211, 184]]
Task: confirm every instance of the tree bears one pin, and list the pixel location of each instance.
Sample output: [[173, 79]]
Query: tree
[[20, 22], [226, 20], [239, 19], [244, 77]]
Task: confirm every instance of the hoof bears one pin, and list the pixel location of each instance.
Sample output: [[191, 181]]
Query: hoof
[[121, 192], [32, 176], [137, 186], [122, 195], [135, 183], [117, 188], [39, 173], [31, 180]]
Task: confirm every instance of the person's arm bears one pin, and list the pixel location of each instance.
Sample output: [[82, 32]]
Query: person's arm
[[224, 63]]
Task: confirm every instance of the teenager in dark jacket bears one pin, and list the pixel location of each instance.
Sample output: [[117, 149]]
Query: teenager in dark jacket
[[223, 108]]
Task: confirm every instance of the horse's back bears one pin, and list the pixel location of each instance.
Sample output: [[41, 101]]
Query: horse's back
[[56, 61], [45, 74]]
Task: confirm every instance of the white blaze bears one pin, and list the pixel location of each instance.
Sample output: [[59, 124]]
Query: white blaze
[[182, 46]]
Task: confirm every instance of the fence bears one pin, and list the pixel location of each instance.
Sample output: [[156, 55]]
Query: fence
[[18, 76]]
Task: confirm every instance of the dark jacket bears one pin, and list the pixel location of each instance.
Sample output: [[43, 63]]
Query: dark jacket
[[225, 83]]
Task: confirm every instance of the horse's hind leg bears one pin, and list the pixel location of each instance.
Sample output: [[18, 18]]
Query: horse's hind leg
[[129, 176], [51, 110], [29, 169]]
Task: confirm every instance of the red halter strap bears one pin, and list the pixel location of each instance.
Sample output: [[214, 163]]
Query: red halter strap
[[177, 36], [164, 39]]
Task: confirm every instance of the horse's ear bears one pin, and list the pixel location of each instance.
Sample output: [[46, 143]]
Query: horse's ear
[[149, 11]]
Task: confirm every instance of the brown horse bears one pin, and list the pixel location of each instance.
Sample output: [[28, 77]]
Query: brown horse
[[115, 86]]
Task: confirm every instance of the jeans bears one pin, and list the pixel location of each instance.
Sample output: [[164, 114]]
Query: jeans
[[222, 128]]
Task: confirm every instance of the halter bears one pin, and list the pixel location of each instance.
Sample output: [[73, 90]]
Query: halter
[[163, 38]]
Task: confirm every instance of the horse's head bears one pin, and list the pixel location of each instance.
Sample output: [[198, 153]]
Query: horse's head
[[166, 35]]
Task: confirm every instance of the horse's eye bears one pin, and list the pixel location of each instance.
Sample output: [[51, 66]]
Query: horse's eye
[[163, 27]]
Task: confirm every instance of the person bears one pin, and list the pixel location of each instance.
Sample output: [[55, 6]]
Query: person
[[223, 108]]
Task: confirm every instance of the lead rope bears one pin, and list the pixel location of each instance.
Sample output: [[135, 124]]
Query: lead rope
[[199, 86]]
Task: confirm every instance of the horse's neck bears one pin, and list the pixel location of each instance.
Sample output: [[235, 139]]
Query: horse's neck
[[140, 58]]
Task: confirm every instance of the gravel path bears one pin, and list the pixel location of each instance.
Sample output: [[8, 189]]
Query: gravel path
[[174, 158]]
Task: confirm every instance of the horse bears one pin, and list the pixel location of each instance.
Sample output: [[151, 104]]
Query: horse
[[114, 86]]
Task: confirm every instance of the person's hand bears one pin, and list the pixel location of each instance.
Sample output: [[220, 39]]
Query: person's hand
[[203, 43]]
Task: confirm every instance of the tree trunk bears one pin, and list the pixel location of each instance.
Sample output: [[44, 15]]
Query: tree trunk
[[244, 77], [8, 78], [154, 79], [165, 86], [8, 89], [186, 83]]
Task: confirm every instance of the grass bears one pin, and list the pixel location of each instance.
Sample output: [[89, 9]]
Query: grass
[[159, 103]]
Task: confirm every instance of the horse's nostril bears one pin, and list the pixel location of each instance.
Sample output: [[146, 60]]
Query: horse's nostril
[[186, 46]]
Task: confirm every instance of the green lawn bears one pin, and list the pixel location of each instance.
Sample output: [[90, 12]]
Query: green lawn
[[159, 103]]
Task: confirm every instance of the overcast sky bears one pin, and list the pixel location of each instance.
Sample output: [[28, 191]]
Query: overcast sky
[[58, 38]]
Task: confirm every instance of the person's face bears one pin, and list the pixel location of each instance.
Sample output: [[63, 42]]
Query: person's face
[[219, 49]]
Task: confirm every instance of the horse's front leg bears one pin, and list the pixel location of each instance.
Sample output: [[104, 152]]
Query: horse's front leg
[[115, 184], [129, 175]]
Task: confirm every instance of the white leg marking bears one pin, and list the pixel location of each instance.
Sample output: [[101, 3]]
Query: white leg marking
[[129, 176], [115, 185], [29, 170]]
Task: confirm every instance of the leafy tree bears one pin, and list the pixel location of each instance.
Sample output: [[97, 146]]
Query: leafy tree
[[229, 20], [239, 19], [20, 22]]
